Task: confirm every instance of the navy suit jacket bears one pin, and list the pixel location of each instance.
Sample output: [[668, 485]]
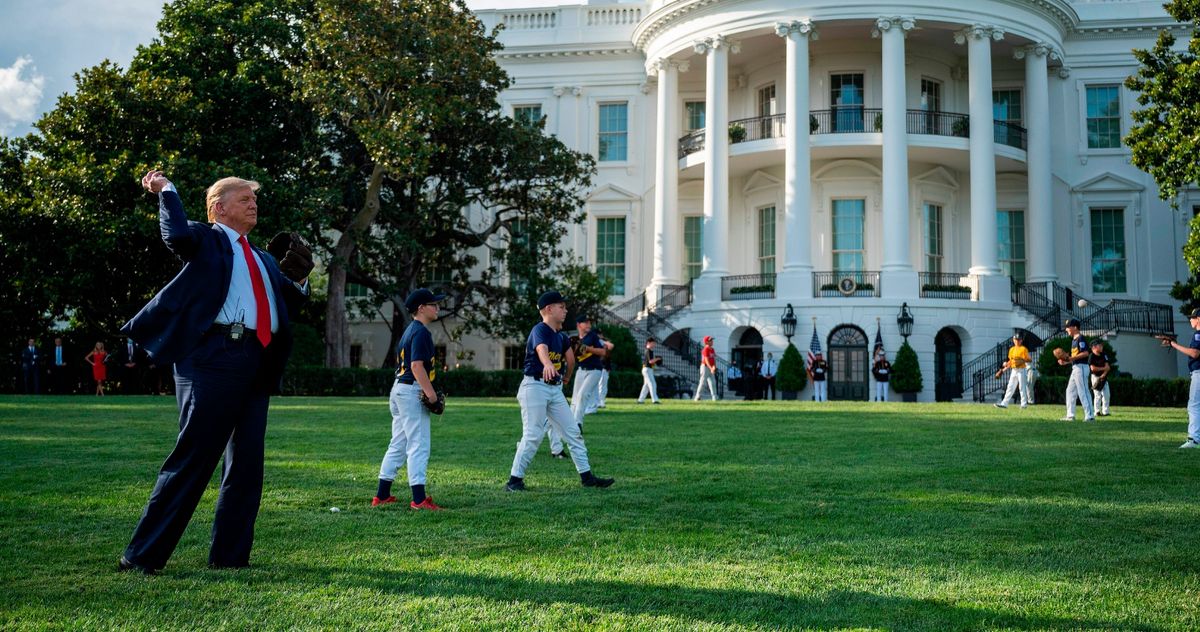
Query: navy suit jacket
[[172, 324]]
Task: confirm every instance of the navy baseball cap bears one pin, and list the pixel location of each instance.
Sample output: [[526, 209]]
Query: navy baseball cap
[[1195, 313], [550, 298], [1071, 322], [583, 318], [421, 297]]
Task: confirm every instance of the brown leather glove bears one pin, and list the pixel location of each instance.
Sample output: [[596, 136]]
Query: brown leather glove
[[436, 407], [294, 256]]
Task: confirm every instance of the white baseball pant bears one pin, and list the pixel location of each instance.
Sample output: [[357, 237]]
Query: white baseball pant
[[1077, 389], [410, 435], [543, 404], [1016, 379], [706, 377], [1100, 398], [649, 385]]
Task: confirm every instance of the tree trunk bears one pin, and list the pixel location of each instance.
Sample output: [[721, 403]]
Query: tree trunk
[[337, 322], [399, 323]]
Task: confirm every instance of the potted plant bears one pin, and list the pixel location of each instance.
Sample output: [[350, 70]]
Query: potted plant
[[813, 124], [790, 378], [879, 122], [961, 128], [737, 133], [906, 373]]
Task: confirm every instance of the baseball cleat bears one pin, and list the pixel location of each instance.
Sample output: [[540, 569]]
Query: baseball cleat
[[514, 486], [377, 501], [425, 504], [1189, 444], [558, 455], [999, 405]]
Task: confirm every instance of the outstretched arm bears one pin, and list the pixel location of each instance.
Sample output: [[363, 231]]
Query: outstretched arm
[[172, 220]]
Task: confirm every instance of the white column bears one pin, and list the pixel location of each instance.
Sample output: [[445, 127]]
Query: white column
[[893, 30], [795, 279], [666, 176], [716, 169], [1037, 159], [984, 255]]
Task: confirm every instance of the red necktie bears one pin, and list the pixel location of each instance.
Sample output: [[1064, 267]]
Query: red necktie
[[262, 308]]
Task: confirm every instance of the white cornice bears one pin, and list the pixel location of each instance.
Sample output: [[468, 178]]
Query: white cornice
[[584, 52]]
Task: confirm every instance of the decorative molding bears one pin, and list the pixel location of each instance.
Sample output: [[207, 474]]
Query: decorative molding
[[885, 24], [576, 91], [1040, 49], [705, 46], [798, 28], [1064, 72], [645, 87], [978, 32], [655, 66], [547, 54]]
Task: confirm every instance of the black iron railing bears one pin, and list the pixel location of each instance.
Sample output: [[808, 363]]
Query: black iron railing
[[1010, 134], [938, 123], [846, 284], [748, 286], [630, 309], [691, 143], [845, 120], [757, 128], [943, 285], [671, 299]]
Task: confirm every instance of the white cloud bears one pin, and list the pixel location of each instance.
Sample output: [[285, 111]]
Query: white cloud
[[19, 96]]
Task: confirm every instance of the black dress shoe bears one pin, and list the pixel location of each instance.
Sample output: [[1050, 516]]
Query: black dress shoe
[[124, 564]]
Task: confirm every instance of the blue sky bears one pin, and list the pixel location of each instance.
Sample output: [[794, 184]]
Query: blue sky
[[43, 43]]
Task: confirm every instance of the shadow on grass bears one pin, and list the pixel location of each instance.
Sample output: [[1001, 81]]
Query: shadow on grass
[[837, 609]]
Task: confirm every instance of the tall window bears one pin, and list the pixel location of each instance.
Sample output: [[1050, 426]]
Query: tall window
[[931, 103], [846, 96], [614, 132], [695, 115], [528, 114], [766, 240], [848, 249], [1010, 229], [766, 107], [1108, 250], [610, 252], [356, 353], [1103, 117], [514, 357], [933, 238], [693, 246], [1006, 108]]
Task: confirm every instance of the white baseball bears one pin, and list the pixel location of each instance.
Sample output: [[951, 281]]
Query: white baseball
[[1082, 303], [334, 510]]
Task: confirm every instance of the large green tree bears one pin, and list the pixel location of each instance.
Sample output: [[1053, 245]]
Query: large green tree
[[446, 174]]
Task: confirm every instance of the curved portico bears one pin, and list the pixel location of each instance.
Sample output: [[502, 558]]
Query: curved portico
[[895, 124]]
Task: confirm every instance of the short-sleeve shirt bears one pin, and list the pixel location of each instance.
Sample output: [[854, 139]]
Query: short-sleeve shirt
[[416, 345], [708, 356], [1079, 344], [1194, 363], [818, 370], [1099, 360], [648, 361], [556, 345], [588, 360], [1018, 357]]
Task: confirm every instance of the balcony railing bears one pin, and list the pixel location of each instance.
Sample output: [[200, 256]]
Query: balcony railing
[[846, 284], [939, 123], [943, 285], [748, 286], [855, 120], [1010, 134]]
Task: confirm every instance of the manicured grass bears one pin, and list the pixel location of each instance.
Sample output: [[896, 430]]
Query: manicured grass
[[724, 516]]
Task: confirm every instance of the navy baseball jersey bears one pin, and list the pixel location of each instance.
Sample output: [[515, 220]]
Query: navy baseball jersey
[[1194, 363], [1099, 360], [556, 345], [1079, 344], [416, 345], [589, 360]]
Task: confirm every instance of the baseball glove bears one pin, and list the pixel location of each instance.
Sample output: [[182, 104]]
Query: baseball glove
[[578, 347], [437, 406], [1000, 371], [1166, 339], [1061, 354], [1100, 384], [294, 256]]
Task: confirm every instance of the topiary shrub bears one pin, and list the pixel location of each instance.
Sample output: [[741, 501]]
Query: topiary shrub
[[906, 371], [626, 353], [791, 377]]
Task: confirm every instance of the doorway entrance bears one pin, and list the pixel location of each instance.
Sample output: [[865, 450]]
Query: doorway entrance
[[848, 363]]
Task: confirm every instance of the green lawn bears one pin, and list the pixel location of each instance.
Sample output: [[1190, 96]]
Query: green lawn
[[724, 516]]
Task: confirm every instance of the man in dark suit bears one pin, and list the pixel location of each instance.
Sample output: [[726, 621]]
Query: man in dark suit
[[223, 322], [132, 371], [29, 367]]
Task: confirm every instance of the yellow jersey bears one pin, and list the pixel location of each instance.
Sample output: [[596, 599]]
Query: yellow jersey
[[1018, 357]]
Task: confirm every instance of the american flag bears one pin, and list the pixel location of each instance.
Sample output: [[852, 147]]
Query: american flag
[[814, 348], [878, 338]]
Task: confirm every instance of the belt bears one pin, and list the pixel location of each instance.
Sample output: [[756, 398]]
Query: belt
[[538, 378], [221, 329]]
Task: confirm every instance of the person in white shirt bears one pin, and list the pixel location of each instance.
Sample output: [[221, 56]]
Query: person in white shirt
[[767, 372]]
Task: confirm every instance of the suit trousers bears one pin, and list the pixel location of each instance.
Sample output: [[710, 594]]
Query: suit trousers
[[222, 410]]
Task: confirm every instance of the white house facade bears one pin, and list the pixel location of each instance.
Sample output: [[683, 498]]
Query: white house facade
[[957, 163]]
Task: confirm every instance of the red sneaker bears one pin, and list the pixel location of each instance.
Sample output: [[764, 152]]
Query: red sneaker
[[425, 504], [377, 501]]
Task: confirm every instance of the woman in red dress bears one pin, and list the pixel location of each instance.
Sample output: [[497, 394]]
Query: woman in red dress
[[99, 372]]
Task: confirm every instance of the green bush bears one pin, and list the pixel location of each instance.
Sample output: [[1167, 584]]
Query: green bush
[[1048, 365], [906, 371], [752, 289], [1125, 391], [936, 287], [737, 133], [791, 375], [626, 353]]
